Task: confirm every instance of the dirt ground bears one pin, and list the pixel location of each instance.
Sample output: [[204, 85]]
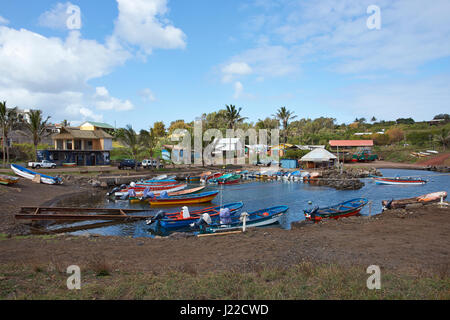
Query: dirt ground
[[414, 241]]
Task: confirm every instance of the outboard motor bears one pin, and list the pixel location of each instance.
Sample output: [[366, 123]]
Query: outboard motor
[[202, 223], [388, 205], [113, 191], [158, 216]]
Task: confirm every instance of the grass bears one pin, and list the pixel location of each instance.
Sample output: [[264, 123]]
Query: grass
[[304, 281]]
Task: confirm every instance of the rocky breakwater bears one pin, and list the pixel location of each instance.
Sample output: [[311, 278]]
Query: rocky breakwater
[[347, 180]]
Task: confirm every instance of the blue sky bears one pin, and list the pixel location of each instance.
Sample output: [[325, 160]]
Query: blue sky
[[140, 61]]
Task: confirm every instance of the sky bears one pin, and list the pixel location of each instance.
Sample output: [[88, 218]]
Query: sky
[[141, 61]]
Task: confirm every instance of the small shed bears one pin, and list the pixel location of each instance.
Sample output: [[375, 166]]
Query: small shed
[[288, 163], [319, 158]]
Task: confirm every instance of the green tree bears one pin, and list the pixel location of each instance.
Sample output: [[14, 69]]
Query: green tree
[[284, 116], [443, 138], [159, 129], [233, 116], [178, 124], [373, 119], [8, 119], [36, 127], [130, 139]]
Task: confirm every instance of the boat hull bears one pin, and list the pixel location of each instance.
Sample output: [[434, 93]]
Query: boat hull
[[255, 219], [383, 181], [195, 215], [30, 175], [177, 200]]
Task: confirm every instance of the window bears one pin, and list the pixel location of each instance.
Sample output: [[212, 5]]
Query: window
[[88, 144], [59, 144], [77, 144], [69, 144]]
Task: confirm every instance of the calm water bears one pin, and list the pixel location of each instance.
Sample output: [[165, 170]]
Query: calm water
[[257, 195]]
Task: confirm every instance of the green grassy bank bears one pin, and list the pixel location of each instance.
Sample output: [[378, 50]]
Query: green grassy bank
[[304, 281]]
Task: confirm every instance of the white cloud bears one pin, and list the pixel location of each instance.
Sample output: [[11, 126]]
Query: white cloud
[[142, 23], [105, 102], [147, 95], [3, 20], [55, 18], [53, 73], [235, 68]]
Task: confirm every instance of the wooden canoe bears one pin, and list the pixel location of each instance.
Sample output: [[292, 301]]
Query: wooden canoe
[[402, 203]]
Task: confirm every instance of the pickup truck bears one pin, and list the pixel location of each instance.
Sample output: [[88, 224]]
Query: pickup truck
[[42, 164]]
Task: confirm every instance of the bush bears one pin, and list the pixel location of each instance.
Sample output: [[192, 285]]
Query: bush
[[395, 135], [380, 139]]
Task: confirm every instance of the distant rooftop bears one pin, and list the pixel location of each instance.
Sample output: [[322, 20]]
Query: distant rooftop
[[99, 124], [351, 143]]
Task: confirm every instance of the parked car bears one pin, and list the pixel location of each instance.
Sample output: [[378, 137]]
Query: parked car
[[128, 163], [42, 164], [147, 163]]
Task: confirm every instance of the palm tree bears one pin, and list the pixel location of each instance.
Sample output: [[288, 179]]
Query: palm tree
[[36, 126], [284, 116], [8, 119], [443, 138], [233, 116], [129, 138]]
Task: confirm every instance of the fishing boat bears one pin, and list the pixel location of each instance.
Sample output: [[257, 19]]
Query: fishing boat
[[399, 181], [207, 178], [193, 178], [402, 203], [155, 190], [141, 198], [8, 180], [186, 199], [69, 164], [175, 220], [233, 179], [259, 218], [343, 209], [32, 175]]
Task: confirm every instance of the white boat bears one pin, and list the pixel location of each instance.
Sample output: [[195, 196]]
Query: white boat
[[432, 151], [399, 181], [31, 175], [119, 194]]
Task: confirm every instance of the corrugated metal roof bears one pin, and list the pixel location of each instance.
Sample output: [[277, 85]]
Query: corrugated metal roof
[[351, 143]]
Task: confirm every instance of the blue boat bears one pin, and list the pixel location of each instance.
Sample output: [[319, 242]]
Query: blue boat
[[176, 221], [31, 175], [257, 218]]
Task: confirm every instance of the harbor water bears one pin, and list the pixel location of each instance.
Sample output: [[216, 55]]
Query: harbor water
[[261, 194]]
